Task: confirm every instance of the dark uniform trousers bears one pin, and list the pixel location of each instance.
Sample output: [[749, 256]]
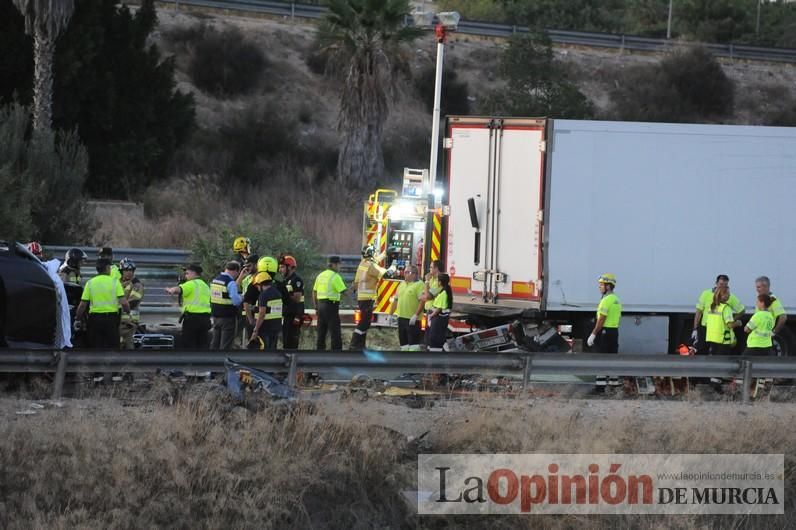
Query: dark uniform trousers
[[103, 330], [291, 332], [329, 322], [408, 335], [223, 333], [607, 341], [195, 331]]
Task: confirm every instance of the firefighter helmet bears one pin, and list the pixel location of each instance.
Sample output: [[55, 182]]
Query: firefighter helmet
[[75, 257], [368, 251], [261, 277], [126, 264], [242, 244], [34, 248], [289, 261], [267, 264], [607, 278]]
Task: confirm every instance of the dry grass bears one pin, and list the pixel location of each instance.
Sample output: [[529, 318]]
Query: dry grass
[[204, 463], [177, 211], [201, 463]]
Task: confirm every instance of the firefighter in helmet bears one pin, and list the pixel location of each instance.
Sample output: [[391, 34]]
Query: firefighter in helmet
[[366, 282], [133, 293], [268, 323], [604, 337], [292, 288], [107, 253], [70, 270], [251, 297], [242, 246]]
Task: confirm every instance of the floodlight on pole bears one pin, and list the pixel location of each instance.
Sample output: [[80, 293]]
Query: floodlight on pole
[[447, 21]]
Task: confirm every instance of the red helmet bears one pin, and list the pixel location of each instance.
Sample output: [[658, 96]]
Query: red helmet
[[34, 248], [289, 261]]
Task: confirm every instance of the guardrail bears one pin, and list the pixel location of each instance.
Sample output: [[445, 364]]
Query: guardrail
[[488, 29], [381, 363]]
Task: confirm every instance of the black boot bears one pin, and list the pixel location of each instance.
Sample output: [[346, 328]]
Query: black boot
[[357, 342]]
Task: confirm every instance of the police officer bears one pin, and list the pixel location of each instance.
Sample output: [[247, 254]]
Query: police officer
[[604, 337], [70, 270], [329, 285], [133, 293], [265, 335], [292, 288], [195, 309], [366, 283], [224, 304], [102, 296], [107, 253]]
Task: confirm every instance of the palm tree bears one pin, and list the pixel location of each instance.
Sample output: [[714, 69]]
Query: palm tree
[[364, 37], [44, 21]]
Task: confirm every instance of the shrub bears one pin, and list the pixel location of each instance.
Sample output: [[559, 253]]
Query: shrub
[[535, 84], [59, 170], [645, 93], [214, 247], [16, 191], [700, 80], [223, 63], [41, 182], [454, 92], [686, 86]]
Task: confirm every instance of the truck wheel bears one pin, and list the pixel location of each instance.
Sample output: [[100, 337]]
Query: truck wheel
[[784, 344]]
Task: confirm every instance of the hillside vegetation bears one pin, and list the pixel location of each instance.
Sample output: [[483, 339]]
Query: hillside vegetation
[[264, 144]]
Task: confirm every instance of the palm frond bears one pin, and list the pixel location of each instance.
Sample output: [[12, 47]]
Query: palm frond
[[48, 16]]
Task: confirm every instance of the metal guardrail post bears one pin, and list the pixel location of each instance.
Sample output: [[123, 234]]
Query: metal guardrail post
[[60, 375], [292, 373], [526, 373], [746, 367]]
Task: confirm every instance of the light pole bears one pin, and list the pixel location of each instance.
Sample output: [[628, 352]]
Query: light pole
[[669, 23], [447, 22]]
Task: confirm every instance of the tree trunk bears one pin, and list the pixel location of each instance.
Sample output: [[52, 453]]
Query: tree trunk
[[43, 53], [361, 160]]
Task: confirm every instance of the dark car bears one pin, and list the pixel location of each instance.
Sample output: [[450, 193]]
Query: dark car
[[28, 304]]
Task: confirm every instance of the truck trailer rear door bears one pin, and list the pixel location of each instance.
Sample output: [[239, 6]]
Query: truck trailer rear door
[[495, 168]]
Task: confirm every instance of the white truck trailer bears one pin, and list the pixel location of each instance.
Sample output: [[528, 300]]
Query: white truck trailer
[[538, 209]]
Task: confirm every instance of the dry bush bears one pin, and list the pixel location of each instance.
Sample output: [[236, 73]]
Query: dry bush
[[687, 85], [199, 464], [222, 62], [206, 463], [326, 212], [561, 428]]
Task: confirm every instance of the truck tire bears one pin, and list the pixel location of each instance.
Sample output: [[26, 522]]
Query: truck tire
[[784, 344]]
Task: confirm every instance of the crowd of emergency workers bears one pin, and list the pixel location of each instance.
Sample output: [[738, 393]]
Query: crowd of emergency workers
[[255, 302]]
